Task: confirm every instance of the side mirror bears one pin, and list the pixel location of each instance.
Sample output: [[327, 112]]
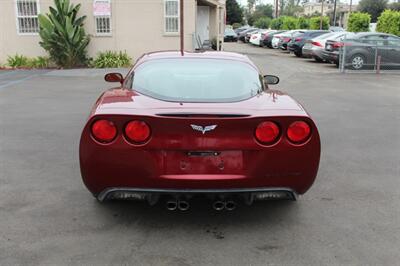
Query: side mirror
[[114, 77], [271, 80]]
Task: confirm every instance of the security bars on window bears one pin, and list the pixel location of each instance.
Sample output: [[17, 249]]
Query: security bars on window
[[103, 25], [171, 15], [27, 16]]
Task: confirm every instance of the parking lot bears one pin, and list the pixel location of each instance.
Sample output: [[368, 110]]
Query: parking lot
[[350, 216]]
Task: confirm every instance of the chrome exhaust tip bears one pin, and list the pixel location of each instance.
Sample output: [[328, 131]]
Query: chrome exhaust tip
[[218, 205], [171, 205], [230, 205], [183, 205]]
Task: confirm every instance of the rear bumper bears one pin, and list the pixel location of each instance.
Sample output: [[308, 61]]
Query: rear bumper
[[330, 57], [169, 165], [294, 48], [145, 194], [230, 39]]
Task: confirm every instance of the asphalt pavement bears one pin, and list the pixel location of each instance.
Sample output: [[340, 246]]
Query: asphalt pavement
[[350, 216]]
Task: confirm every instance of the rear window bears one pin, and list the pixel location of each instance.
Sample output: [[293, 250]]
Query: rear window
[[229, 31], [197, 80]]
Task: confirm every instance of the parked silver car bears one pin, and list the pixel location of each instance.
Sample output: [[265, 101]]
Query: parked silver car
[[313, 48]]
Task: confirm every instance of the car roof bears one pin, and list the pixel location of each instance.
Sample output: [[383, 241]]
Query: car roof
[[195, 55], [362, 34]]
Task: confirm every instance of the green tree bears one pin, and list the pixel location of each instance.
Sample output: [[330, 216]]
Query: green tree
[[261, 11], [359, 22], [389, 22], [250, 5], [63, 36], [263, 23], [291, 7], [234, 13], [373, 7], [315, 23], [303, 23], [394, 6]]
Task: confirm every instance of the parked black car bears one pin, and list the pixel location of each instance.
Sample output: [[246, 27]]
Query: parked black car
[[242, 34], [287, 37], [230, 35], [363, 50], [298, 40], [267, 41], [242, 28]]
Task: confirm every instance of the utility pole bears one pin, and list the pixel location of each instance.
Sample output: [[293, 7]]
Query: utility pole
[[351, 4], [334, 14], [181, 27], [322, 14], [276, 8]]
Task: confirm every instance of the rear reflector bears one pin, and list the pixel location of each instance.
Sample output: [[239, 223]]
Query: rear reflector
[[298, 132], [137, 131], [273, 195], [267, 132], [104, 131]]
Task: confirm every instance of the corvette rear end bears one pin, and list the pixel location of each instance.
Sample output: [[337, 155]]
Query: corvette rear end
[[136, 145]]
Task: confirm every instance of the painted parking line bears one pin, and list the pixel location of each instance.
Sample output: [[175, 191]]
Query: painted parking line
[[17, 81]]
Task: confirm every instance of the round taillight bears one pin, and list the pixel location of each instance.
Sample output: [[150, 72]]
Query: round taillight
[[267, 132], [298, 132], [104, 130], [137, 131]]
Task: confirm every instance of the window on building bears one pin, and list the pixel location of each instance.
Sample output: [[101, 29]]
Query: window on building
[[102, 16], [27, 16], [171, 15]]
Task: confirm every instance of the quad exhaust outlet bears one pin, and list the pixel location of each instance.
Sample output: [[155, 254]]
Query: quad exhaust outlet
[[172, 205], [183, 205], [218, 205], [175, 204]]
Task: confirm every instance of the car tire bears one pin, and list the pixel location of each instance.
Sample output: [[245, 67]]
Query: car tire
[[297, 54], [358, 61], [319, 60]]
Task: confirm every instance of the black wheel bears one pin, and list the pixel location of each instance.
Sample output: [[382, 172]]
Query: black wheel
[[319, 60], [297, 54], [358, 61]]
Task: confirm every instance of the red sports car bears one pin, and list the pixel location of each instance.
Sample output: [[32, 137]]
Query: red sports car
[[197, 124]]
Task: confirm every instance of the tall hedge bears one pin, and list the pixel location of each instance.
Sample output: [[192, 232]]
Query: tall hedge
[[389, 22], [276, 23], [315, 23], [303, 23], [263, 23], [359, 22], [289, 23]]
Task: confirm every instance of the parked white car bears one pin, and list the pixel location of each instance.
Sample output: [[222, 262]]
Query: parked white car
[[275, 40], [256, 37]]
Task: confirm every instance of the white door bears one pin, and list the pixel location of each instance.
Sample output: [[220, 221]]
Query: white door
[[203, 23]]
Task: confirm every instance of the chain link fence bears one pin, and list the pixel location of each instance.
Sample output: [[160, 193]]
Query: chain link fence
[[375, 55]]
